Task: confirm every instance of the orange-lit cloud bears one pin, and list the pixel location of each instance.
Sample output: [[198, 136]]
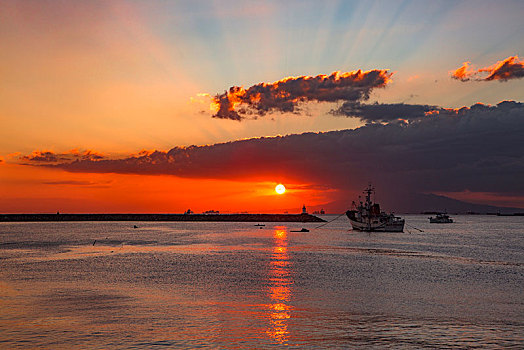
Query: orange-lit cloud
[[509, 68], [463, 73], [285, 95]]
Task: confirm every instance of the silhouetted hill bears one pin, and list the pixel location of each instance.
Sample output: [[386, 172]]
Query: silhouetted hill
[[418, 203], [430, 202]]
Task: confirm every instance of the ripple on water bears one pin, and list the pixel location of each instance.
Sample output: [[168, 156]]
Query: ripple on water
[[212, 285]]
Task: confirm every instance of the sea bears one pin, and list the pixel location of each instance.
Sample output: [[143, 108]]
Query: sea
[[109, 285]]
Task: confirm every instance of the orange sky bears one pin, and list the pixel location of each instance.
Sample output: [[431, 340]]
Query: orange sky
[[46, 190], [118, 77]]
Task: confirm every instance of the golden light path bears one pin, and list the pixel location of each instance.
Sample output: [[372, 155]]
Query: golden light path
[[279, 288], [280, 189]]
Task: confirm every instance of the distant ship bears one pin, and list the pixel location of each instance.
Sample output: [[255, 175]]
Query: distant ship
[[441, 218], [368, 217]]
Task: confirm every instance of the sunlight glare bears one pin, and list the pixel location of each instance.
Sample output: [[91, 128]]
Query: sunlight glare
[[280, 189]]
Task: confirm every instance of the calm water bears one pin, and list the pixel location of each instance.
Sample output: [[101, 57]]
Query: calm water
[[233, 285]]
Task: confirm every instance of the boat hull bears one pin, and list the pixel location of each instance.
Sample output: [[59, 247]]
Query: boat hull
[[440, 221]]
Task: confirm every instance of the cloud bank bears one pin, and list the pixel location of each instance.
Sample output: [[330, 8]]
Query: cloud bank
[[509, 68], [285, 95], [477, 148]]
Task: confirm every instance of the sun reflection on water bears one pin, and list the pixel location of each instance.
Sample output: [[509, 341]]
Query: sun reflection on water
[[279, 290]]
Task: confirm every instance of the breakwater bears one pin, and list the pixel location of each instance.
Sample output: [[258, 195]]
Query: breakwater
[[161, 217]]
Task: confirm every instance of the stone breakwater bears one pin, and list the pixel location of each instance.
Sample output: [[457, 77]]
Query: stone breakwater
[[161, 217]]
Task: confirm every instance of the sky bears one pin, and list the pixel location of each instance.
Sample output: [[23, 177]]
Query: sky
[[162, 106]]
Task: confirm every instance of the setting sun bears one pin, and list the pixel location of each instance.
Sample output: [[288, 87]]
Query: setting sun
[[280, 189]]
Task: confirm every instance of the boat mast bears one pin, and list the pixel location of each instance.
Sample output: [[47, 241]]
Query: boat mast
[[368, 192]]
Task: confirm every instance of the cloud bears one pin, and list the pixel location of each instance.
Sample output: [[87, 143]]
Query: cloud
[[477, 148], [406, 113], [52, 157], [382, 113], [99, 184], [285, 95], [509, 68], [462, 73], [43, 157]]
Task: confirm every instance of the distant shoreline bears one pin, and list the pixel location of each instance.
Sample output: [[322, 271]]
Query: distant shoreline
[[161, 217]]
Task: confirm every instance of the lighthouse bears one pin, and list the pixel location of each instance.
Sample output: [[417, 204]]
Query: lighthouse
[[304, 211]]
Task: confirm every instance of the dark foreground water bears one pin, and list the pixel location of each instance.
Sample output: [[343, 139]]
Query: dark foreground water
[[232, 285]]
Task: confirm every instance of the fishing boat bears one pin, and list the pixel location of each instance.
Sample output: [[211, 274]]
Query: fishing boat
[[366, 216], [441, 218]]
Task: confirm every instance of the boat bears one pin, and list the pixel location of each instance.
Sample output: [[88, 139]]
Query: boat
[[368, 217], [441, 218], [302, 230]]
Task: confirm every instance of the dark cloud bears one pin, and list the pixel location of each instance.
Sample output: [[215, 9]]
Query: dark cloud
[[383, 113], [509, 68], [52, 157], [477, 148], [285, 95], [407, 113]]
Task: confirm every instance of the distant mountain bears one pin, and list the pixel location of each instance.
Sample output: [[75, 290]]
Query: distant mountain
[[418, 203]]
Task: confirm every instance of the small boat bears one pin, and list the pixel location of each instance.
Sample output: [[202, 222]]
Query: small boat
[[260, 225], [368, 217], [303, 230], [441, 218]]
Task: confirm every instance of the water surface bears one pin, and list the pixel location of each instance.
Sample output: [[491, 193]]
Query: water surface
[[234, 285]]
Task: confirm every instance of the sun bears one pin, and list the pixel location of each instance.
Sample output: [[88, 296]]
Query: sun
[[280, 189]]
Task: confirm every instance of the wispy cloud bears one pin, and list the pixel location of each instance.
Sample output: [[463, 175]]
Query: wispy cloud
[[77, 183], [509, 68], [285, 95]]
